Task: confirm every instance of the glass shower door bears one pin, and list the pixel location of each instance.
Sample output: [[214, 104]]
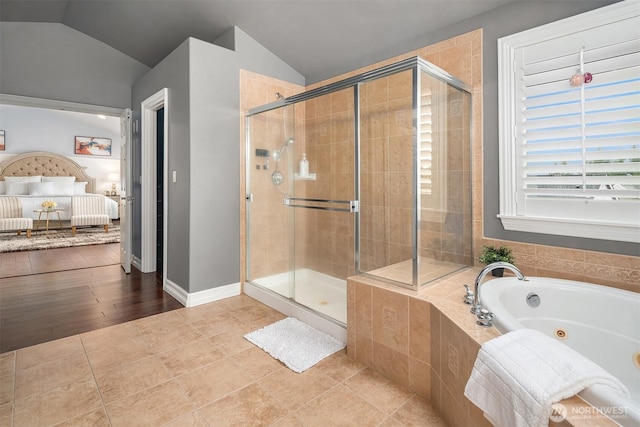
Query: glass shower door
[[269, 180], [301, 224], [325, 203]]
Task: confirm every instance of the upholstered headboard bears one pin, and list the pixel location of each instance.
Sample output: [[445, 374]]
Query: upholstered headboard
[[45, 164]]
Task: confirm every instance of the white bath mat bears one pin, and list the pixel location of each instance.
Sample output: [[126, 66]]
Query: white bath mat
[[296, 344]]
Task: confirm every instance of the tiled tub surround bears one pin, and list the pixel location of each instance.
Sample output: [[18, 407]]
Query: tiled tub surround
[[428, 341]]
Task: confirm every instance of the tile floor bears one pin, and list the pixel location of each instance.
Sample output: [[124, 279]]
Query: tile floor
[[192, 367]]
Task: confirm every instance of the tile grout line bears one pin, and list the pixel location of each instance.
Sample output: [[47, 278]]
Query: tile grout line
[[95, 381]]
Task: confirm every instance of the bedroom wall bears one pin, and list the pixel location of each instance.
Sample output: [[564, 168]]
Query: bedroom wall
[[38, 129], [64, 64]]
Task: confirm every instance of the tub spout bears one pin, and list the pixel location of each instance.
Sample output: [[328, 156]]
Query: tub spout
[[476, 307]]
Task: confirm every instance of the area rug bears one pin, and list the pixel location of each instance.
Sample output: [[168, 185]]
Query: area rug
[[294, 343], [10, 242]]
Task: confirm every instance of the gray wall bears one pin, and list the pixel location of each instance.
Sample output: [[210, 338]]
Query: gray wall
[[505, 20], [172, 73], [204, 150], [214, 242], [53, 61]]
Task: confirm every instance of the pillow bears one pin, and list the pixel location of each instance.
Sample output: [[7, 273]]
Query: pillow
[[19, 185], [17, 188], [79, 188], [3, 188], [23, 179], [40, 188], [60, 179], [62, 185], [61, 188]]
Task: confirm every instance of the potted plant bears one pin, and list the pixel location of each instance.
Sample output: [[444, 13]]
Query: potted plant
[[491, 254]]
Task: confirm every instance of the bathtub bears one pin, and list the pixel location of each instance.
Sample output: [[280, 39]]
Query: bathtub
[[600, 322]]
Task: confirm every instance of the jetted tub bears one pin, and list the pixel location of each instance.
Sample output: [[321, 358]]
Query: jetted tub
[[600, 322]]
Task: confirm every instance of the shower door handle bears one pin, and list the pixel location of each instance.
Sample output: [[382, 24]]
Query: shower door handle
[[322, 204]]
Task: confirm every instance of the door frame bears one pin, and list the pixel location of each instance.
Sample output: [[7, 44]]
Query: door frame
[[148, 109]]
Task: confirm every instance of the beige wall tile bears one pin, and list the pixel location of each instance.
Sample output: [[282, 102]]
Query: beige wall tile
[[420, 377], [420, 330], [391, 320], [363, 310], [364, 350]]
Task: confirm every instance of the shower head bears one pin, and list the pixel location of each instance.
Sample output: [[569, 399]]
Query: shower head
[[278, 153]]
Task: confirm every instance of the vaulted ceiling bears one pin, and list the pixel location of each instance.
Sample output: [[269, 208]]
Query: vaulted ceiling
[[319, 38]]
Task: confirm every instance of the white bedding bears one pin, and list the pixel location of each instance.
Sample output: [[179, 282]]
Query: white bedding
[[32, 203]]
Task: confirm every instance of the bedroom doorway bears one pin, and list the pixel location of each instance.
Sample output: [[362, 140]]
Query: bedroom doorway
[[60, 115], [153, 189], [159, 189]]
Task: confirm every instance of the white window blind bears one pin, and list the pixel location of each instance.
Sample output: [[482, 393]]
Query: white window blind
[[570, 153], [432, 144], [426, 137]]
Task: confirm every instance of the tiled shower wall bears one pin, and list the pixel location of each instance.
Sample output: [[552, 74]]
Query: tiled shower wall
[[324, 239]]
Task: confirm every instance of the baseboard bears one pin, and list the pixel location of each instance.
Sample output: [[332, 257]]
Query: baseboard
[[136, 262], [202, 297]]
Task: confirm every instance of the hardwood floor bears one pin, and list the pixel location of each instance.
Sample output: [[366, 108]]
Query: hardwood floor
[[56, 293]]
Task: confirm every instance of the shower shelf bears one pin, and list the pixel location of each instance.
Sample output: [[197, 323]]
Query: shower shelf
[[310, 177]]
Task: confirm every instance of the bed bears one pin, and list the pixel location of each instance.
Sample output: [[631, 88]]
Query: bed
[[38, 176]]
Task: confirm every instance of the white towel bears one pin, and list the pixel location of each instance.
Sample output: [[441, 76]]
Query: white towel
[[518, 376]]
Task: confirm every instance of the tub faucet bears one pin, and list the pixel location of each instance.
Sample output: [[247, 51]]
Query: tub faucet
[[484, 317]]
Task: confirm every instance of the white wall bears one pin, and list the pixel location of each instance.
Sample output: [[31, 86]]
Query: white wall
[[38, 129]]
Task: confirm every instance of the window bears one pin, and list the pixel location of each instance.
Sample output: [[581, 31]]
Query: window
[[570, 126]]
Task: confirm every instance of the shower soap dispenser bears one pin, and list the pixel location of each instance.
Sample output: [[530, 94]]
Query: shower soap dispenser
[[304, 166]]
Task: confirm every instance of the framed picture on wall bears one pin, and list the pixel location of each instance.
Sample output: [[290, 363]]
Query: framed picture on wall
[[1, 140], [93, 146]]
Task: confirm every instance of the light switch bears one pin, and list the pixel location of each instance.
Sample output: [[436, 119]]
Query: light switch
[[174, 179]]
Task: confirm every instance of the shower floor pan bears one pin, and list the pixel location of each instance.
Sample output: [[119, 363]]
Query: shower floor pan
[[317, 291]]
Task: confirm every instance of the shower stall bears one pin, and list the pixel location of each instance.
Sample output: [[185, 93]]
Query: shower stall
[[385, 192]]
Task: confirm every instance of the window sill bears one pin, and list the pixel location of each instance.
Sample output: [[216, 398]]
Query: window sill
[[563, 227]]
